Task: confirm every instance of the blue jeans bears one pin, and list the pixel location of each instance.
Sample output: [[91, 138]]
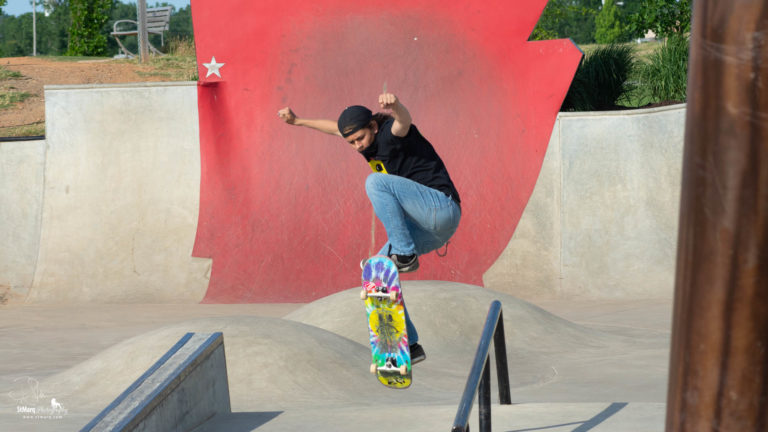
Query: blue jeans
[[417, 218]]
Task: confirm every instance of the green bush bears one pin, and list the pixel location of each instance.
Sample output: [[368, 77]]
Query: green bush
[[664, 77], [601, 80], [85, 33]]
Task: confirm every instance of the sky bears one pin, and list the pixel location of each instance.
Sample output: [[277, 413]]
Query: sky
[[19, 7]]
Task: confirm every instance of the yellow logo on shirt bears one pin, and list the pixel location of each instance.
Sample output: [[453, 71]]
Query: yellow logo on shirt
[[377, 166]]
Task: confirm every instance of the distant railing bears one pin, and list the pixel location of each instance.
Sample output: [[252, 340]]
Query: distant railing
[[479, 380]]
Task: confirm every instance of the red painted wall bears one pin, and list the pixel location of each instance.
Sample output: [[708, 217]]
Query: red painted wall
[[283, 209]]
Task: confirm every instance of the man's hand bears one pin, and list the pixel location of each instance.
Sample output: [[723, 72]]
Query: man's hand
[[387, 101], [287, 115], [402, 118], [327, 126]]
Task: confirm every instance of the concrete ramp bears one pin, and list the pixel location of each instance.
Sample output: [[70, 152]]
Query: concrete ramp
[[602, 220], [184, 389], [548, 355], [316, 361]]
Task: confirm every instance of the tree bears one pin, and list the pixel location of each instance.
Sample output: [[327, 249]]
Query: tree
[[573, 19], [549, 22], [52, 37], [86, 35], [56, 28], [2, 3], [608, 26], [16, 33], [664, 17], [51, 5], [181, 24]]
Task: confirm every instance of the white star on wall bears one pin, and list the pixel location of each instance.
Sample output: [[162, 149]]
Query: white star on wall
[[213, 67]]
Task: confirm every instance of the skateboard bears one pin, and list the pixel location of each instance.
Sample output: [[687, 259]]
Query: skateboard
[[391, 356]]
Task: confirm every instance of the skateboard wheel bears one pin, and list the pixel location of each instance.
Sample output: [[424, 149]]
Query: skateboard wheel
[[363, 295], [393, 295], [373, 368], [403, 369]]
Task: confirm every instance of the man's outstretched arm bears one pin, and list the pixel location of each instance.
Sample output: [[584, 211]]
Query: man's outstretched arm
[[323, 125]]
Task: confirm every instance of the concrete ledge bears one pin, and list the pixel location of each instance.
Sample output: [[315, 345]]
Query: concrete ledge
[[121, 196], [121, 85], [622, 113], [184, 389]]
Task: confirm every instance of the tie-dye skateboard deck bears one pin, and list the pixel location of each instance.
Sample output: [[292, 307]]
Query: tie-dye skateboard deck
[[386, 322]]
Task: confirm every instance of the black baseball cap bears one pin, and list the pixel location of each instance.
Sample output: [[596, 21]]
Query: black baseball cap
[[354, 118]]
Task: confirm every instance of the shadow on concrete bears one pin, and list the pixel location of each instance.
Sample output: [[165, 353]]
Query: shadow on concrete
[[587, 425], [238, 422]]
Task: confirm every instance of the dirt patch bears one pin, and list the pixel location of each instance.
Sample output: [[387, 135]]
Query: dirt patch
[[38, 72]]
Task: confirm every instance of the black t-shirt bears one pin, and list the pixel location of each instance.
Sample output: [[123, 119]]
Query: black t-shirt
[[412, 157]]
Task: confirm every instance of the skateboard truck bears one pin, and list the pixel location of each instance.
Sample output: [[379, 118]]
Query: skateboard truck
[[381, 296], [374, 291], [389, 366]]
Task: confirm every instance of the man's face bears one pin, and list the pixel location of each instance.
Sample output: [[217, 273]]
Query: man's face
[[363, 138]]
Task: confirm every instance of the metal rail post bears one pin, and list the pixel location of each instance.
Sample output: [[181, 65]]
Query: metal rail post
[[484, 397], [479, 380], [502, 370]]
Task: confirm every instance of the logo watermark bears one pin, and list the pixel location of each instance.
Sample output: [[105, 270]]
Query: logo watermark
[[34, 404]]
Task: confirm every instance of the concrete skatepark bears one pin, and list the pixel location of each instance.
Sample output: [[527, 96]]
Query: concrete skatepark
[[99, 281]]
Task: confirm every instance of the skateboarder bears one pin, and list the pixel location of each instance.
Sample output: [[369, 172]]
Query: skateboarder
[[411, 192]]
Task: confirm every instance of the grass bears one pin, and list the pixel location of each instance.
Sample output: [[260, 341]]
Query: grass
[[179, 65], [34, 129], [181, 62], [642, 51], [9, 96], [664, 76], [172, 68], [6, 74]]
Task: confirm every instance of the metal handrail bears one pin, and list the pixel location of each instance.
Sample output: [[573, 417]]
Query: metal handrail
[[479, 380]]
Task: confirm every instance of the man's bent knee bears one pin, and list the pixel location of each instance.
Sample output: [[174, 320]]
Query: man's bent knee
[[375, 181]]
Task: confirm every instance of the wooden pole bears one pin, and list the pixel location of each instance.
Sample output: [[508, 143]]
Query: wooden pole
[[719, 359], [141, 14]]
